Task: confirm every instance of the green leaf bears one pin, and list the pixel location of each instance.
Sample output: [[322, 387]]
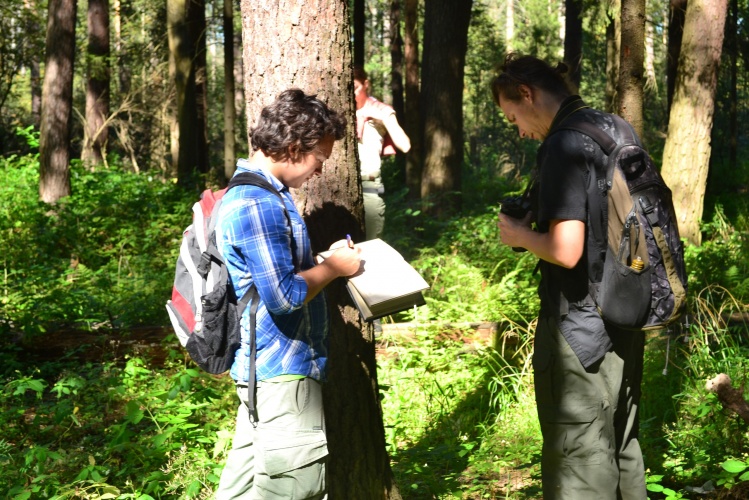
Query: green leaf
[[654, 487], [734, 466]]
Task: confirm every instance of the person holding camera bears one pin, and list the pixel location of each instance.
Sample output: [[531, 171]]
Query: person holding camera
[[587, 374]]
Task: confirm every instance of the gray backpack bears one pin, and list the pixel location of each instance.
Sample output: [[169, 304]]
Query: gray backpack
[[643, 284]]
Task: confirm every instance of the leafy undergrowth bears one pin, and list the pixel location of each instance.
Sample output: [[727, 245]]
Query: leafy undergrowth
[[460, 422]]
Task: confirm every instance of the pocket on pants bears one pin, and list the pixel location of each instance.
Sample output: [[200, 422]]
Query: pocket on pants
[[284, 450], [571, 432]]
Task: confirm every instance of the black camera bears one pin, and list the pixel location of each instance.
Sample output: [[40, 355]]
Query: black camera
[[515, 206]]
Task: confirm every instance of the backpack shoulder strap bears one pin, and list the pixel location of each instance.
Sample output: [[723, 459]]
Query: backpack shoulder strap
[[600, 179], [607, 143], [251, 179]]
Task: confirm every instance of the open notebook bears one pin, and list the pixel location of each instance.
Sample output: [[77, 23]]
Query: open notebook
[[387, 284]]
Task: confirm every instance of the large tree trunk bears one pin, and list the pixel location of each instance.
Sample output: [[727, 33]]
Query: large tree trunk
[[412, 122], [396, 77], [306, 44], [186, 23], [97, 86], [445, 43], [678, 9], [57, 102], [631, 66], [686, 157], [573, 38], [613, 48], [230, 116]]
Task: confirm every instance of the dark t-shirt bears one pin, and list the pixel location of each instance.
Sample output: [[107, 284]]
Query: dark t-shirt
[[563, 178], [565, 162]]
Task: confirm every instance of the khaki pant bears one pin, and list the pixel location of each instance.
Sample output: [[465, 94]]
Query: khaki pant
[[589, 419], [374, 215], [284, 456]]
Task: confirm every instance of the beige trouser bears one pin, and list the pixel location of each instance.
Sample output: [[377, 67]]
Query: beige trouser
[[284, 456]]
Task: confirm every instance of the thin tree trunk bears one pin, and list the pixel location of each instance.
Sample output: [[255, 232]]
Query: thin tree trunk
[[360, 21], [733, 128], [651, 81], [510, 25], [678, 9], [57, 102], [229, 111], [281, 38], [186, 21], [631, 66], [396, 78], [412, 125], [613, 48], [239, 103], [686, 156], [34, 66], [573, 38], [36, 91], [97, 85], [445, 43]]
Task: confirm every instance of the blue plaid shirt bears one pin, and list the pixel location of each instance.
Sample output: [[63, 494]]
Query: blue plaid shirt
[[255, 240]]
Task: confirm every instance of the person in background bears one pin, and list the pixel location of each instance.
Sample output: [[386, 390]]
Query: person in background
[[378, 133], [280, 451], [587, 374]]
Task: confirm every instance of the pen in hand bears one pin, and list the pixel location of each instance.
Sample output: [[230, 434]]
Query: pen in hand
[[349, 242]]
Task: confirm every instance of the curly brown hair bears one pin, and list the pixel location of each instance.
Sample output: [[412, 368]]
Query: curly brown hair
[[294, 124]]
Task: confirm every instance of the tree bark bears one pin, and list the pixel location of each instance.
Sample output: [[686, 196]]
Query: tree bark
[[230, 116], [282, 40], [411, 124], [678, 9], [97, 85], [186, 22], [445, 43], [631, 65], [57, 102], [686, 156], [396, 78], [573, 38]]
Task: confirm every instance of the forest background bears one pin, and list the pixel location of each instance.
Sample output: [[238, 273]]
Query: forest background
[[115, 114]]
